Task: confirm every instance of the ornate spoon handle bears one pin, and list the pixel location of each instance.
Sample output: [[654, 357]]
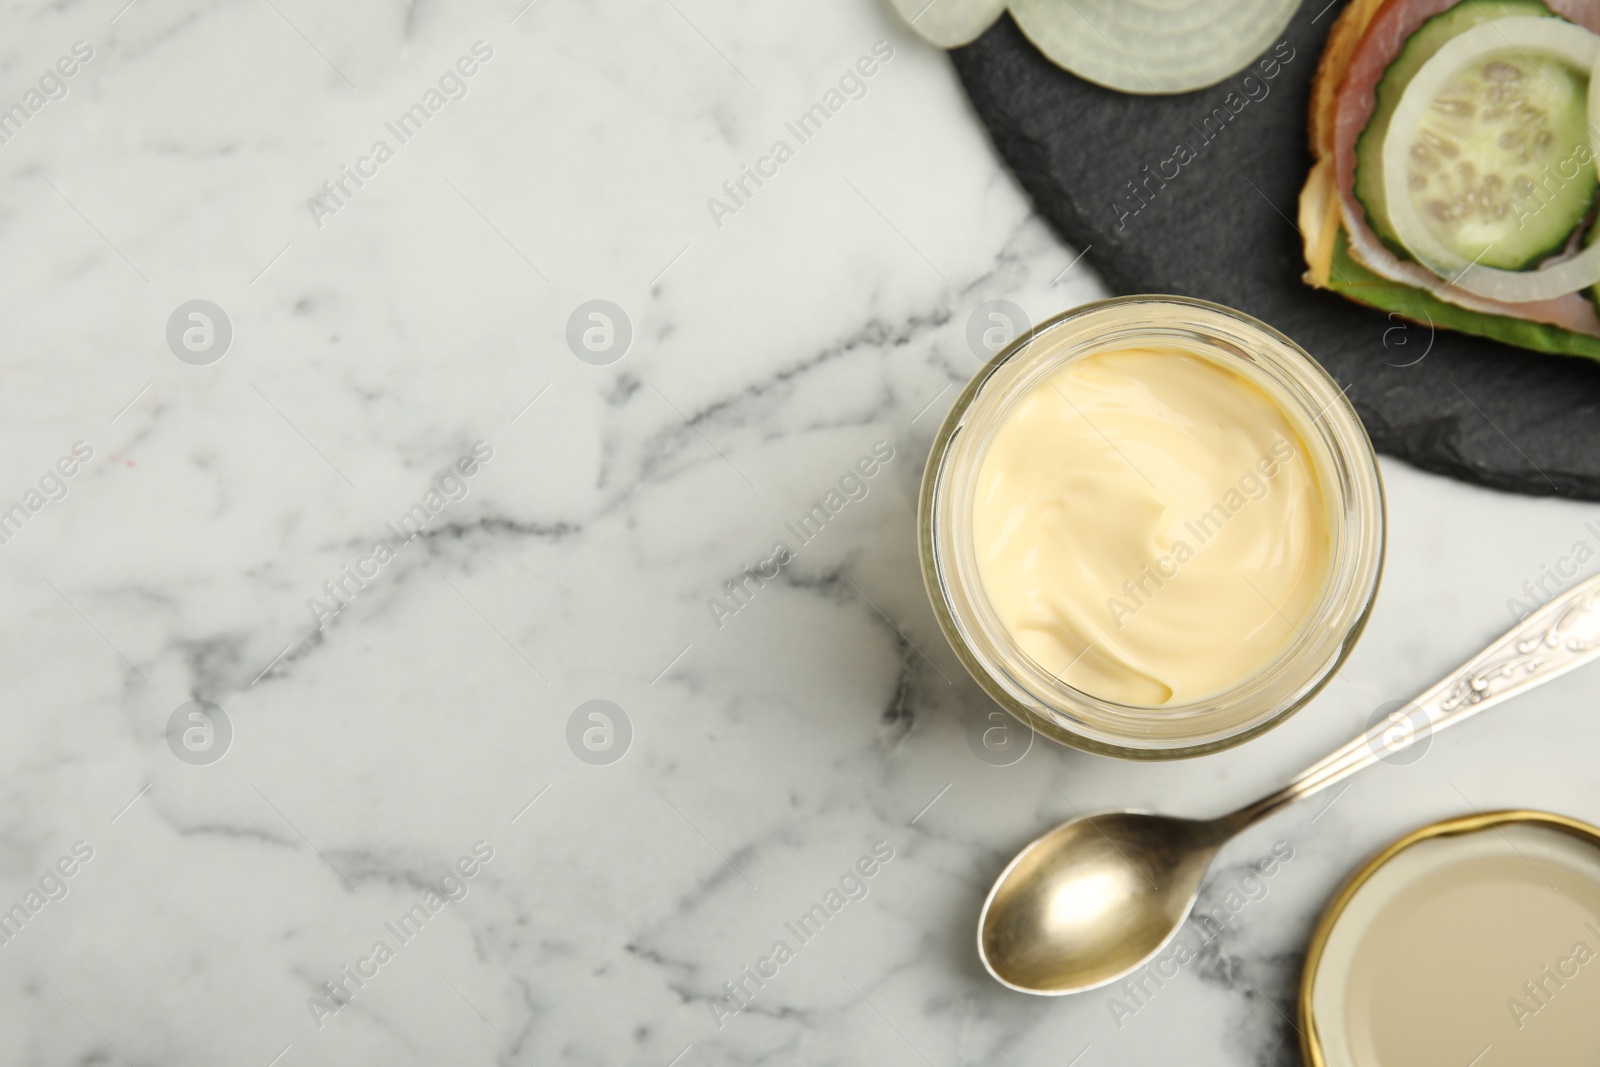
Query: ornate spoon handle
[[1562, 635]]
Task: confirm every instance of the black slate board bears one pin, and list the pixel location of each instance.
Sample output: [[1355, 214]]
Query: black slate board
[[1471, 409]]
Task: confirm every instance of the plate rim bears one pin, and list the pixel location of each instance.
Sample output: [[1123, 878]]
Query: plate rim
[[1310, 1043]]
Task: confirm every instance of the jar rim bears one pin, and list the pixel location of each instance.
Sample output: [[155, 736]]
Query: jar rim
[[1353, 505]]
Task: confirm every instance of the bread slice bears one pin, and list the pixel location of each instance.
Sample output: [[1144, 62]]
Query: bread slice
[[1320, 219]]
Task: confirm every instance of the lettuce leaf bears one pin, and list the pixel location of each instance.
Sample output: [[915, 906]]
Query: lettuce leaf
[[1361, 285]]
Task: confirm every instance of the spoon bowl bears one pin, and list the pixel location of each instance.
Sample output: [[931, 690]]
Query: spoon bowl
[[1093, 899]]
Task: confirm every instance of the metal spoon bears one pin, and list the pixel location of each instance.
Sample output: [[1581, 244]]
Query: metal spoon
[[1097, 897]]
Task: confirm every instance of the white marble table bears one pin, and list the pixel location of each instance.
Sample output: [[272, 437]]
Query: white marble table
[[383, 330]]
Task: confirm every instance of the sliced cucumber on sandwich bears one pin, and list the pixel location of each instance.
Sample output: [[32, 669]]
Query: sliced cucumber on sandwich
[[1500, 168]]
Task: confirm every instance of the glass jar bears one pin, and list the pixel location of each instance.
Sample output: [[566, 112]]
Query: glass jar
[[1339, 453]]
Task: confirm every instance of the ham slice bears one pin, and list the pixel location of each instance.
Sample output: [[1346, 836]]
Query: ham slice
[[1385, 37]]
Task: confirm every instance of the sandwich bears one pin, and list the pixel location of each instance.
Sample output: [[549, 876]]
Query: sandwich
[[1454, 178]]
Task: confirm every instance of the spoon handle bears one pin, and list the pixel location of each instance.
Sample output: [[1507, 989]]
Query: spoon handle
[[1561, 635]]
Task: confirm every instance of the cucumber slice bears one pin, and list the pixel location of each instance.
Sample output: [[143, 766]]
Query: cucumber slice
[[1472, 102], [1418, 49], [1482, 152], [1500, 166]]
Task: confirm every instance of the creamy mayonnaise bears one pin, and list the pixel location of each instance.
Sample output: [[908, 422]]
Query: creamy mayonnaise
[[1149, 527]]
